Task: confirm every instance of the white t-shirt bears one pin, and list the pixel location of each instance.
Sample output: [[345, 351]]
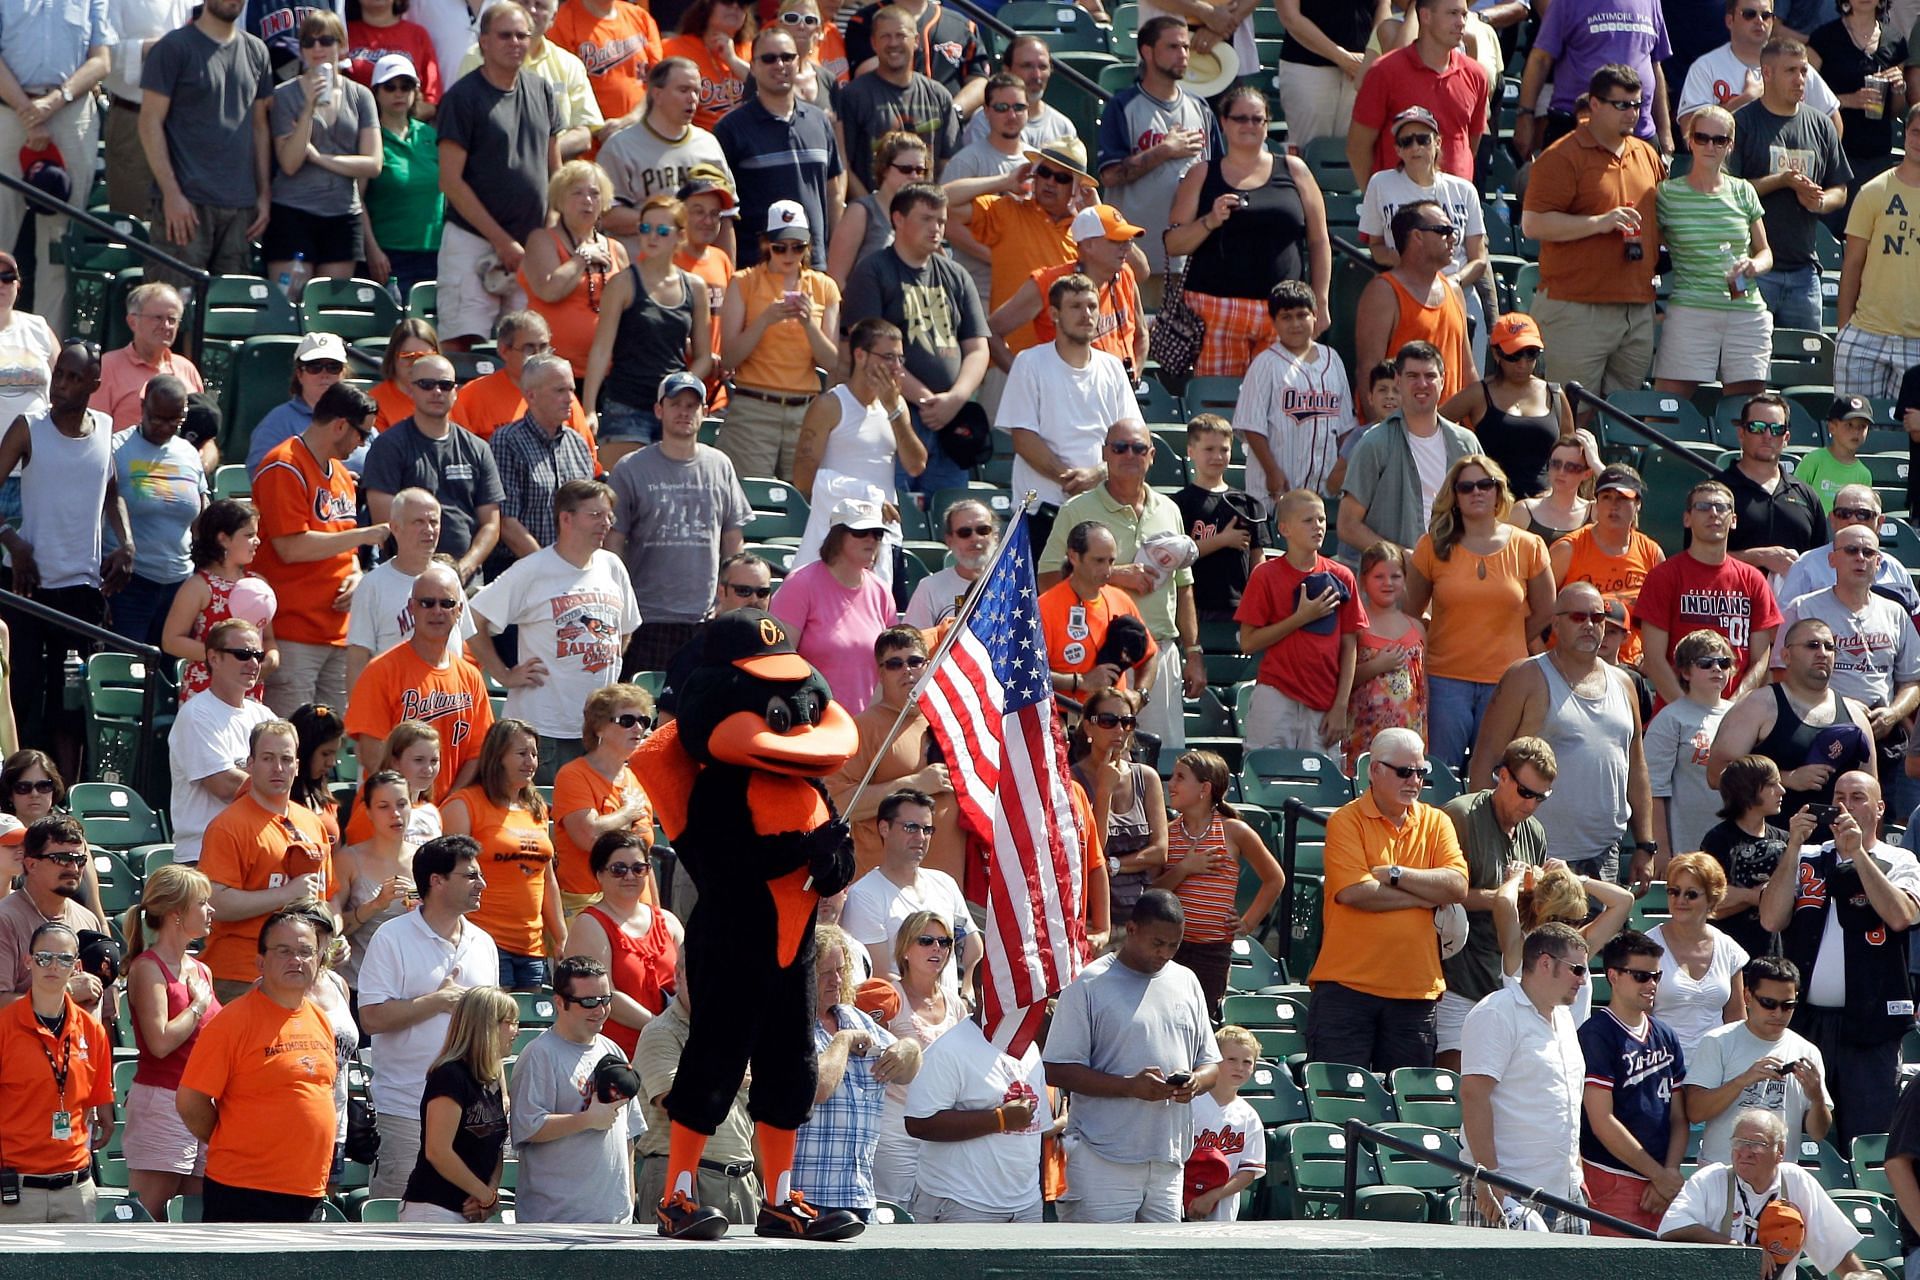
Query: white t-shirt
[[27, 352], [1430, 460], [1539, 1073], [936, 599], [407, 959], [877, 907], [1677, 743], [379, 618], [1235, 1130], [1694, 1007], [575, 620], [1391, 190], [208, 737], [1827, 988], [1726, 1052], [1303, 405], [1702, 1202], [1718, 76], [963, 1071], [1070, 409]]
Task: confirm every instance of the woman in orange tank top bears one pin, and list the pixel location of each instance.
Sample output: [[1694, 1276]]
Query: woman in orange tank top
[[1206, 843], [504, 812], [570, 260]]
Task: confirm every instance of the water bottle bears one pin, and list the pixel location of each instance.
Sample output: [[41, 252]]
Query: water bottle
[[1730, 266], [393, 291], [293, 282], [1501, 209]]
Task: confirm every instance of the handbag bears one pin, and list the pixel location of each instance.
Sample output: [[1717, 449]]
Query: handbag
[[1178, 331], [363, 1133]]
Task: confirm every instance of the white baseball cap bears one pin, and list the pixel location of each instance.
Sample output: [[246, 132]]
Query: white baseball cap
[[320, 346], [787, 220], [392, 65]]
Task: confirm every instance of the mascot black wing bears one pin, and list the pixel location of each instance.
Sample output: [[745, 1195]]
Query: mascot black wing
[[735, 780]]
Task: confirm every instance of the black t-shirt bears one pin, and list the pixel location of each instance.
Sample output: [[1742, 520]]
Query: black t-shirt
[[506, 136], [1903, 1139], [1218, 579], [458, 470], [477, 1142], [1910, 399], [1791, 516], [1748, 861], [870, 108], [936, 306], [1764, 144], [1348, 23], [948, 49], [1845, 68]]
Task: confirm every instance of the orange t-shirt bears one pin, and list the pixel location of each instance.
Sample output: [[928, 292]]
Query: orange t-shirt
[[270, 1069], [1479, 611], [716, 268], [573, 318], [618, 51], [783, 360], [399, 685], [1076, 628], [514, 853], [250, 847], [719, 91], [1024, 238], [296, 493], [487, 404], [579, 786], [395, 405], [830, 54], [1390, 954], [1617, 577], [29, 1097], [1114, 330]]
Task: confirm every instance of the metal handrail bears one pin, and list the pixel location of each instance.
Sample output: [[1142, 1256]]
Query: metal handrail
[[45, 203], [1348, 249], [1579, 393], [1357, 1131], [992, 23]]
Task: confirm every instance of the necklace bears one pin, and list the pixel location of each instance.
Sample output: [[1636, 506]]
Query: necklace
[[595, 273], [54, 1024]]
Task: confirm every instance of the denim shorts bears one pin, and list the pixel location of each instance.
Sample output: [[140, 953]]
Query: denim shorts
[[522, 973], [624, 422]]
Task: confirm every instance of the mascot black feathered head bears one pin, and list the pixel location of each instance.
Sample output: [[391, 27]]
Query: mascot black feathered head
[[755, 702]]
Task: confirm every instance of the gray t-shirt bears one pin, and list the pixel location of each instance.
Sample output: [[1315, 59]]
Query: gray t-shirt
[[642, 164], [586, 1176], [935, 306], [1764, 144], [1120, 1021], [505, 136], [1473, 972], [459, 470], [313, 189], [672, 514], [1879, 650], [211, 88], [1726, 1052]]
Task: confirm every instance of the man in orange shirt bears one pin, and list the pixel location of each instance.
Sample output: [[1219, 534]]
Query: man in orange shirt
[[54, 1064], [308, 542], [264, 851], [1077, 610], [490, 402], [1390, 861], [993, 220], [258, 1088], [1416, 301], [708, 196], [426, 677], [618, 42], [1109, 255]]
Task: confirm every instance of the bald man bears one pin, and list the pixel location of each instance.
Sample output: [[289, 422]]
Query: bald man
[[433, 452], [379, 617], [1841, 909]]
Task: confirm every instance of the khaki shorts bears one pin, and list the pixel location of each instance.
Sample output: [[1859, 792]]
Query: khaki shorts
[[1603, 346], [1701, 345], [464, 306]]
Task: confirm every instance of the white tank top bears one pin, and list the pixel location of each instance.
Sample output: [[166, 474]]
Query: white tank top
[[61, 493], [858, 463]]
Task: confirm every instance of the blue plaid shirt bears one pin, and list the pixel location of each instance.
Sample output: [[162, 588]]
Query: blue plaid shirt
[[533, 465], [833, 1160]]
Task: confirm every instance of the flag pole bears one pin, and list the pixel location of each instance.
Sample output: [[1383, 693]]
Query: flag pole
[[960, 618]]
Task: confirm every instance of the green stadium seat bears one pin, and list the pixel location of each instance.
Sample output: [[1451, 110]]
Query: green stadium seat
[[120, 1207], [1665, 412], [423, 301], [1316, 1162], [354, 309], [1868, 1160], [384, 1210], [118, 738], [779, 509], [114, 816], [1426, 1096], [1250, 967], [1168, 468], [261, 373], [184, 1209], [1157, 404], [1801, 356], [1882, 1243], [537, 1008], [1337, 1092], [1273, 775], [1212, 395], [1434, 1181], [887, 1213], [1327, 160]]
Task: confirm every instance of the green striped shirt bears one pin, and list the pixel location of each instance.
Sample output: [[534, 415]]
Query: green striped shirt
[[1695, 226]]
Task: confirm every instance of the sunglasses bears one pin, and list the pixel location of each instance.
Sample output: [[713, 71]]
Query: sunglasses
[[1687, 895], [1406, 140], [308, 42], [1818, 646], [1050, 174], [1445, 230], [1406, 772], [1526, 353], [55, 959], [1765, 15], [656, 229], [1001, 108], [1250, 118], [588, 1002], [911, 170], [972, 531], [1772, 1005], [9, 277], [1633, 106], [1711, 139], [436, 602], [1572, 468], [435, 384], [930, 940], [62, 859], [1528, 793], [620, 871], [912, 662], [1577, 970], [324, 366], [917, 828], [1766, 428], [1863, 514], [633, 720], [775, 59], [24, 788], [743, 593], [1113, 720], [1714, 664], [1641, 976], [1713, 508], [1133, 447], [1860, 552], [245, 655], [1486, 484], [784, 247], [800, 19], [1584, 617]]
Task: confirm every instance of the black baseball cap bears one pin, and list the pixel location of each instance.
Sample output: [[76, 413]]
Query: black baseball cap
[[756, 642]]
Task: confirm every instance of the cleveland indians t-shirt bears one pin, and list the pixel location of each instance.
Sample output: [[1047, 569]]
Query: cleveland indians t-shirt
[[1683, 594]]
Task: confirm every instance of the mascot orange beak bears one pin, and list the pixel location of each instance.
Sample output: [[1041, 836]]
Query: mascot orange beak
[[807, 751]]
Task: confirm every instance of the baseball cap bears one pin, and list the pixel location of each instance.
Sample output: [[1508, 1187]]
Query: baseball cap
[[1621, 480], [1780, 1231], [1514, 331], [857, 514], [754, 641], [674, 383], [392, 65], [1450, 922], [786, 220], [1103, 222], [1415, 115], [1616, 611], [46, 170], [705, 179], [1845, 407], [320, 346]]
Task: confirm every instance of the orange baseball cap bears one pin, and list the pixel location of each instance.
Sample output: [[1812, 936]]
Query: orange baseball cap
[[1515, 331]]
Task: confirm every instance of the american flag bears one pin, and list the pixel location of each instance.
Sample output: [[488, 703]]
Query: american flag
[[989, 703]]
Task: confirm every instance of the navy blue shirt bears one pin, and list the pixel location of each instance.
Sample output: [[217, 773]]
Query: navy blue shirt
[[774, 159], [1643, 1072]]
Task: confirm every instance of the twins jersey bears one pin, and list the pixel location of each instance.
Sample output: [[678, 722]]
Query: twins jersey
[[1641, 1069], [1304, 407]]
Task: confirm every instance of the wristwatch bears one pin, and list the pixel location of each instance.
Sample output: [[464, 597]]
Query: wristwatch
[[1646, 846], [66, 94], [1393, 876]]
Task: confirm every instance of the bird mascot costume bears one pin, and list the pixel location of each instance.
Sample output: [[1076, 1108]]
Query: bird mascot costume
[[735, 781]]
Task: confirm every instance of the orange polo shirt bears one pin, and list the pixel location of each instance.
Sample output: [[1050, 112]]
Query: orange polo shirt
[[29, 1096], [1024, 238], [1391, 954]]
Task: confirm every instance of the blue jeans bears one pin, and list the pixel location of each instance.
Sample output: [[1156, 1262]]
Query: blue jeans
[[140, 607], [1793, 295], [522, 973], [625, 422], [1454, 708], [942, 472]]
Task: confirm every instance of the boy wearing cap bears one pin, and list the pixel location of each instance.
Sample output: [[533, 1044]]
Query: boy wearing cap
[[1610, 552], [1836, 464], [1109, 254], [708, 251]]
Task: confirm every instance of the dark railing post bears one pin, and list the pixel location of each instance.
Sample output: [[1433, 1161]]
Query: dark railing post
[[1583, 396], [1292, 810], [1350, 1177]]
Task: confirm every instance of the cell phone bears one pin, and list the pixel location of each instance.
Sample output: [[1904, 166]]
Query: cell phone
[[1180, 1079], [1824, 813], [1787, 1068], [9, 1186]]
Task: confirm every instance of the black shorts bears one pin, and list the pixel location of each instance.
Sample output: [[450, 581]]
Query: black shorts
[[322, 237]]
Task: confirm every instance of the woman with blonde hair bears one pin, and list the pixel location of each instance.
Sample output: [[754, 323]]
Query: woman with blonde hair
[[1203, 869], [923, 952], [170, 995], [463, 1114], [1490, 588], [1531, 896], [823, 52], [570, 262], [1566, 505], [1700, 984], [504, 811], [377, 871]]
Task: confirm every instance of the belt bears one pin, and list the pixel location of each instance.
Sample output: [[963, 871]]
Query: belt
[[735, 1169], [772, 397], [56, 1181]]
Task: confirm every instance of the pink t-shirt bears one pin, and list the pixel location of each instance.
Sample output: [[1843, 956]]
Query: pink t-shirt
[[837, 627]]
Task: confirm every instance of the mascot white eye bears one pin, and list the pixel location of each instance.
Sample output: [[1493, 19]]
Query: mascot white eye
[[779, 715]]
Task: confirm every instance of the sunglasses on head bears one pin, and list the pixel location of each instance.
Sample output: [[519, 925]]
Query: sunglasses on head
[[1486, 484], [910, 662], [633, 720], [245, 655], [45, 786], [620, 871], [1134, 447], [436, 602], [1113, 720], [435, 384], [744, 593]]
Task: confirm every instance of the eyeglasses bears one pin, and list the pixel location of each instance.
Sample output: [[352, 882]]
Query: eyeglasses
[[633, 720], [323, 366], [972, 531], [308, 42], [1752, 1144], [911, 170], [933, 940], [1633, 106], [800, 19], [1765, 15], [784, 247], [1818, 646], [621, 870], [1772, 1004], [588, 1002], [1051, 174], [305, 955], [164, 317], [1714, 664], [917, 828], [1711, 139], [1861, 553], [44, 786], [1486, 484], [1254, 117], [435, 384], [1134, 447], [62, 859], [1583, 617], [1766, 428], [1445, 230], [1113, 720], [1712, 508], [774, 59], [1863, 514], [55, 959], [656, 229], [1687, 895], [1577, 970], [912, 662], [1406, 772], [744, 593], [1641, 976], [1571, 467], [1528, 793], [245, 655], [399, 84], [1406, 140], [436, 602], [1001, 108]]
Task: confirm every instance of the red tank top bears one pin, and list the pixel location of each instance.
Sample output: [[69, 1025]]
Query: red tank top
[[164, 1073], [642, 968]]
